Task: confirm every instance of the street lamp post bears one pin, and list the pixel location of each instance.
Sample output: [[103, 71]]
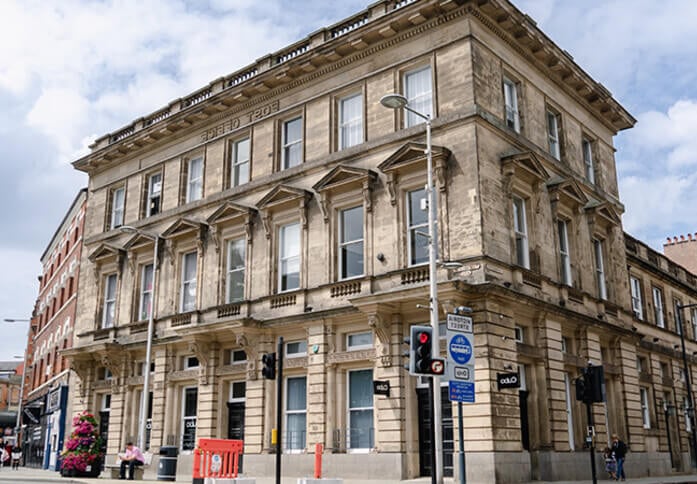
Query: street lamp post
[[18, 424], [148, 346], [690, 399], [397, 101]]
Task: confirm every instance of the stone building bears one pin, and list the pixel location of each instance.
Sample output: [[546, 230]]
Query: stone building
[[45, 398], [288, 202]]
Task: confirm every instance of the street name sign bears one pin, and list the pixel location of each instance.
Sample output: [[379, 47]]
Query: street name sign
[[460, 361]]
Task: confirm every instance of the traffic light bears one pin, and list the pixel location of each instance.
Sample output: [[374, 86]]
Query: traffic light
[[269, 369], [421, 350], [590, 386]]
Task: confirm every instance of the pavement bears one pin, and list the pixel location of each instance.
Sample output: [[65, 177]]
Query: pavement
[[27, 475]]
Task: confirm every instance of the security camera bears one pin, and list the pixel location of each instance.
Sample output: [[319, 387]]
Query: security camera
[[463, 310]]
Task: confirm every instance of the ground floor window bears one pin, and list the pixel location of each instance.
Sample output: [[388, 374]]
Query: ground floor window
[[360, 409], [296, 413], [189, 409]]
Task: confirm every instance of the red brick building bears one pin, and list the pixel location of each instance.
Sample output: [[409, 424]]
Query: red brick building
[[682, 250], [46, 387]]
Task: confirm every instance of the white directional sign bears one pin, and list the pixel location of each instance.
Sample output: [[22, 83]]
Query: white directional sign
[[460, 367]]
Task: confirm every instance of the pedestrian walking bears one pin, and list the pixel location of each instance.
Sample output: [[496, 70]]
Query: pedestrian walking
[[619, 450]]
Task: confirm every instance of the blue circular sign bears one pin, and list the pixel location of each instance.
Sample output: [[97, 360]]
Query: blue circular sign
[[460, 349]]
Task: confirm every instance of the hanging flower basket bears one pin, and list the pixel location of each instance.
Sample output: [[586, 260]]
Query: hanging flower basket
[[82, 457]]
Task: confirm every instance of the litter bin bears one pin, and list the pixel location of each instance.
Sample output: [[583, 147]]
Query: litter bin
[[167, 468]]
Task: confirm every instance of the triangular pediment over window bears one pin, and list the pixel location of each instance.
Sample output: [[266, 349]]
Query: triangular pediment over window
[[567, 191], [105, 252], [604, 213], [411, 155], [138, 241], [229, 212], [281, 195], [184, 227], [525, 166], [343, 177]]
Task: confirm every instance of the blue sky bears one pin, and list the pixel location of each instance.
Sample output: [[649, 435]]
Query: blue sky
[[73, 70]]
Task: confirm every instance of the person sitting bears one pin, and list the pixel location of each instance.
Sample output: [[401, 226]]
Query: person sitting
[[132, 458], [16, 456]]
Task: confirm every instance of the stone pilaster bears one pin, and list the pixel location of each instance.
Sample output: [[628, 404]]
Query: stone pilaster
[[634, 432], [556, 434], [158, 388], [390, 411], [317, 379], [208, 395]]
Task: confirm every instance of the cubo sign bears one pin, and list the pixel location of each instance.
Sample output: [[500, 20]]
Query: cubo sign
[[508, 380]]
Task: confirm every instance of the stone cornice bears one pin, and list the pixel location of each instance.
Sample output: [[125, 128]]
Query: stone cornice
[[319, 54]]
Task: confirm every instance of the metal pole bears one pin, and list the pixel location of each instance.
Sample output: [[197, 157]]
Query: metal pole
[[279, 410], [148, 353], [690, 400], [461, 437], [432, 434], [589, 411], [18, 425], [433, 289]]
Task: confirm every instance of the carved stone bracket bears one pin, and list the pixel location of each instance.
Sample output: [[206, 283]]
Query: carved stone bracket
[[367, 195], [302, 207], [202, 350], [169, 250], [391, 187], [249, 345], [248, 229], [440, 170], [381, 326], [266, 223], [324, 206], [216, 236]]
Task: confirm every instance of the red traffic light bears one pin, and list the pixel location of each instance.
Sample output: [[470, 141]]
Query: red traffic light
[[424, 337]]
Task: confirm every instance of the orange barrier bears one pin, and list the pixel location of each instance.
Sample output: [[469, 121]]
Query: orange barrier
[[217, 458], [319, 449]]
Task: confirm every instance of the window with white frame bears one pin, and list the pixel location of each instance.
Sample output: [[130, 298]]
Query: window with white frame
[[109, 308], [510, 97], [238, 391], [359, 341], [553, 134], [520, 228], [239, 168], [587, 147], [153, 202], [564, 344], [234, 283], [637, 303], [106, 402], [189, 412], [188, 282], [645, 413], [350, 121], [292, 143], [289, 257], [693, 318], [118, 199], [190, 362], [360, 410], [146, 280], [600, 269], [296, 413], [418, 88], [677, 315], [518, 333], [417, 227], [688, 421], [237, 356], [351, 242], [194, 182], [658, 307], [564, 254], [296, 348]]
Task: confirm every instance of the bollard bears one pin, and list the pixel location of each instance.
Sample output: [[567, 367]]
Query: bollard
[[319, 449]]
